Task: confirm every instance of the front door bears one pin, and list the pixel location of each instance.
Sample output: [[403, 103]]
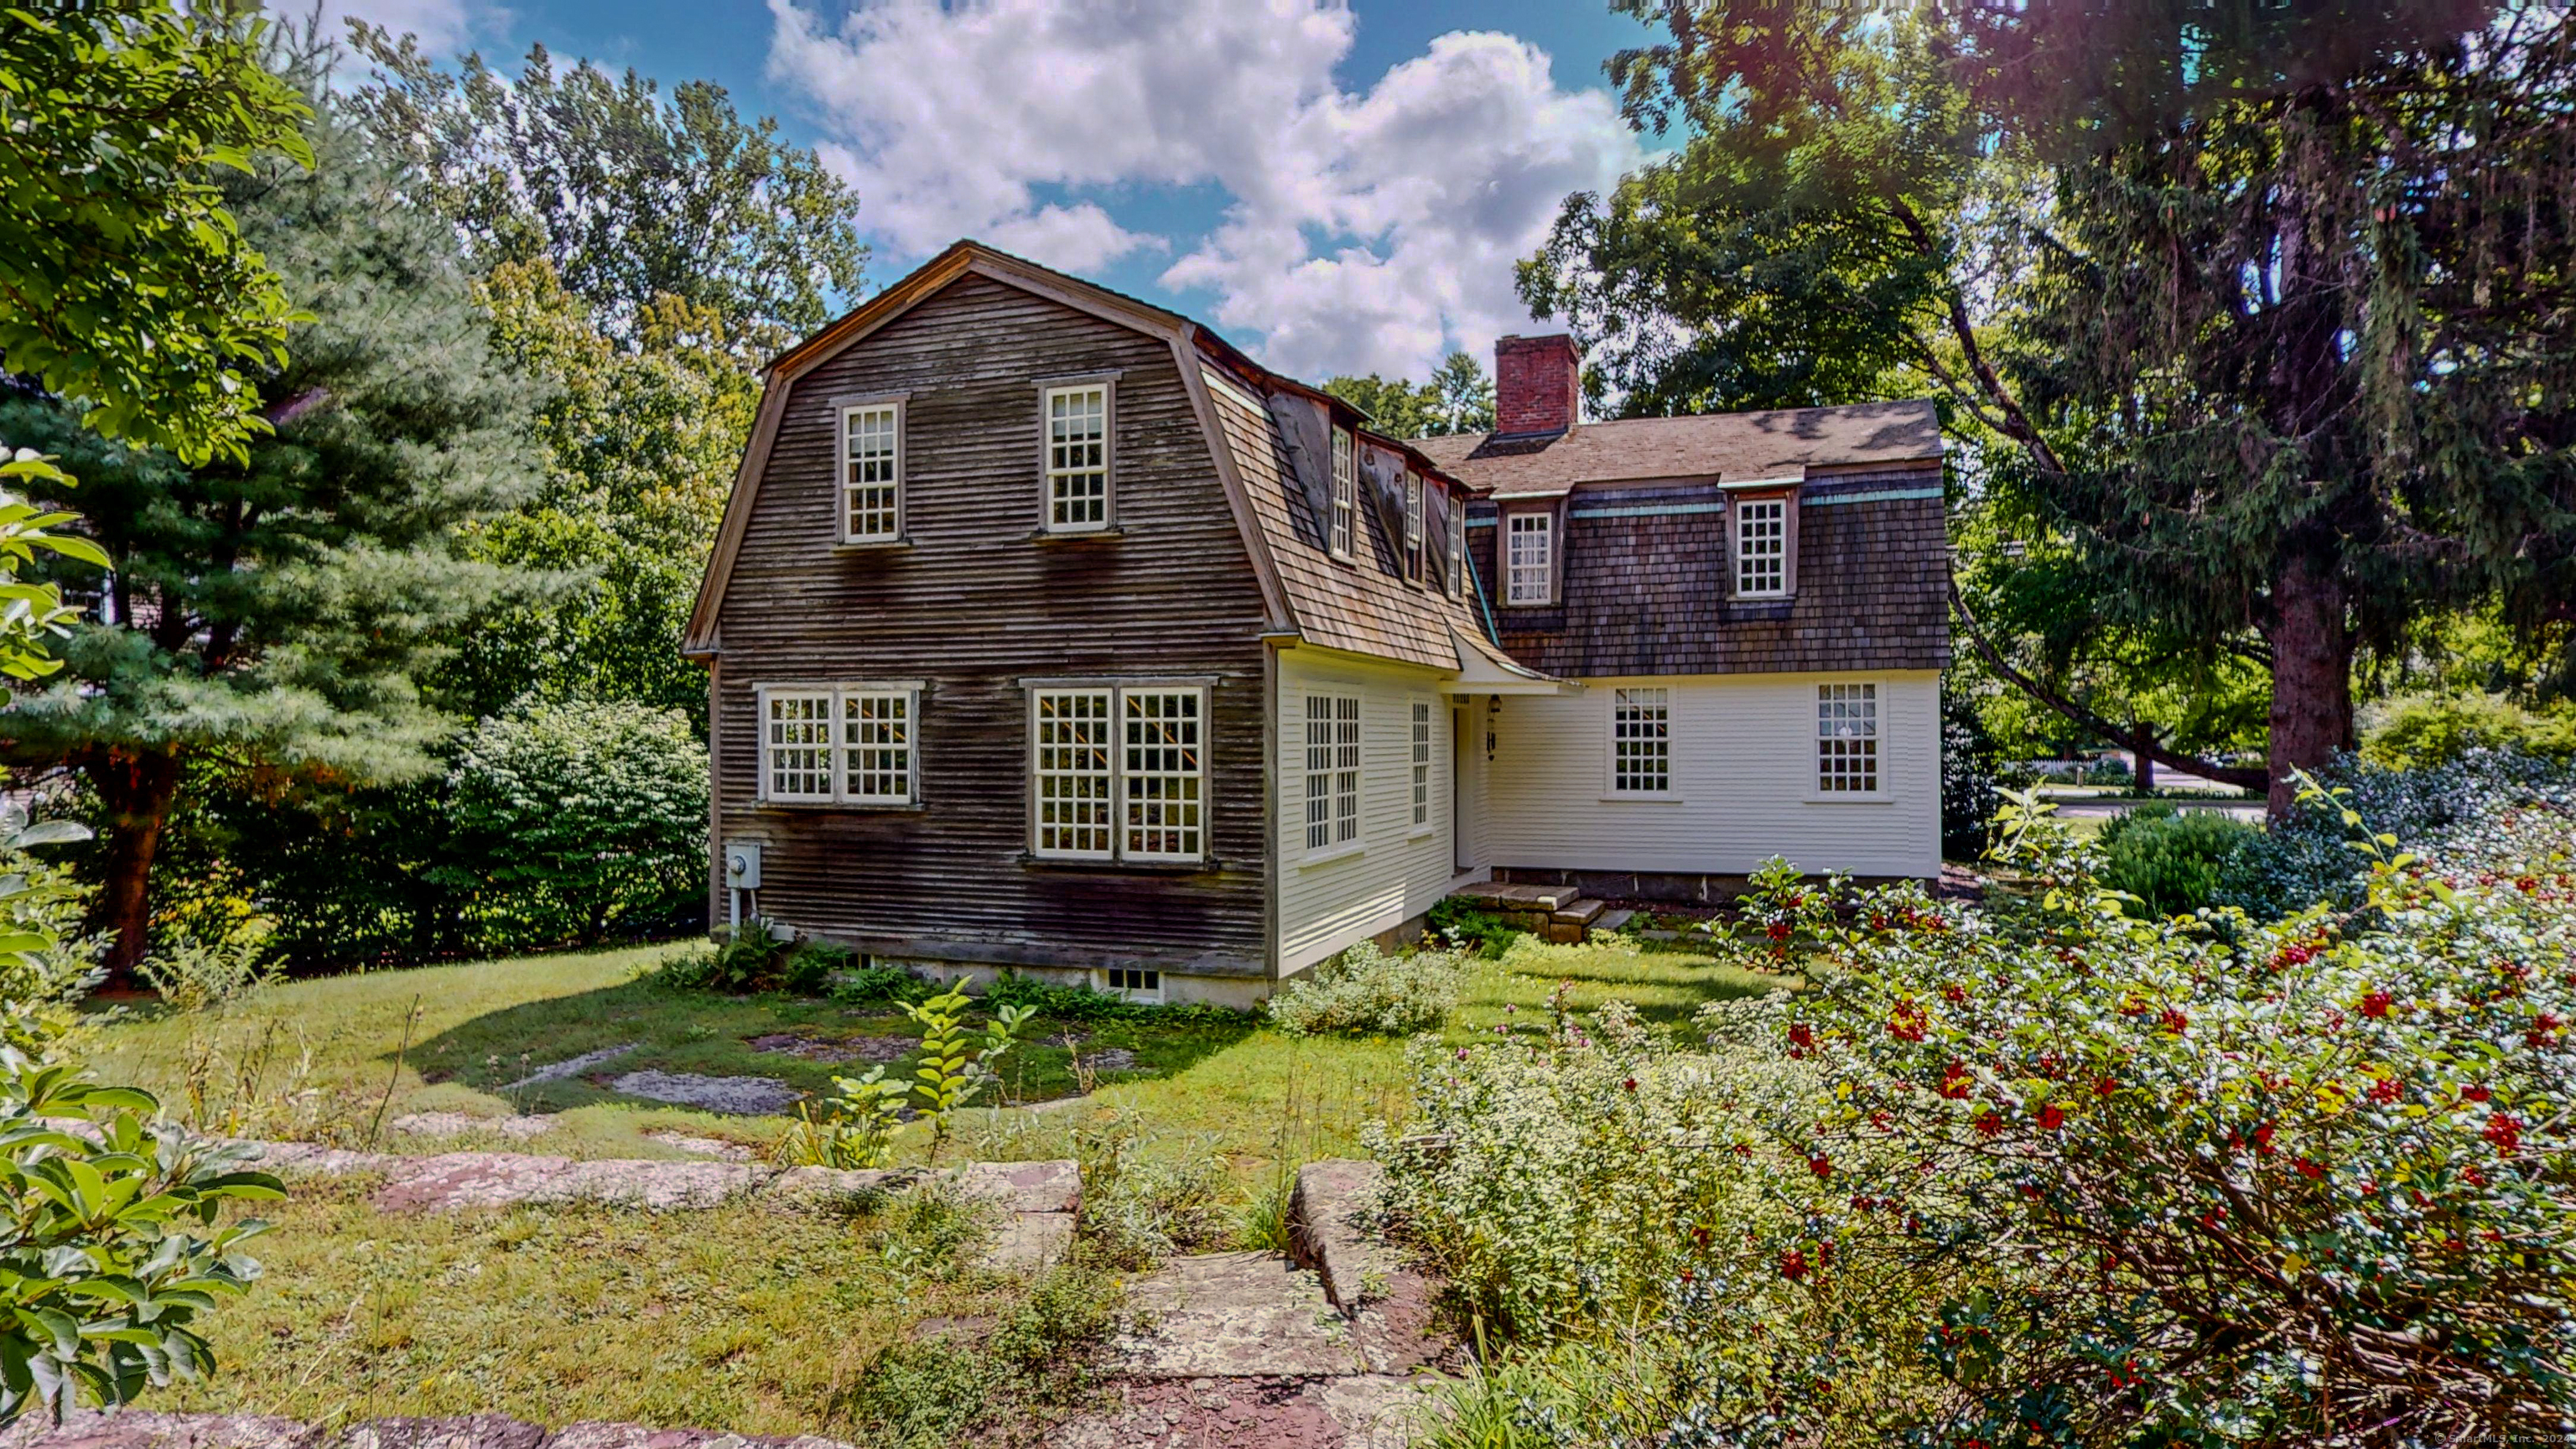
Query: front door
[[1462, 849]]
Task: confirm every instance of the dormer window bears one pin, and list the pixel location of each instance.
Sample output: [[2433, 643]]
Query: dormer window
[[1761, 548], [1413, 527], [1529, 558], [1346, 492], [1457, 547], [872, 473]]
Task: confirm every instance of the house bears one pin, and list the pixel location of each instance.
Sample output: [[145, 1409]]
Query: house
[[1047, 631]]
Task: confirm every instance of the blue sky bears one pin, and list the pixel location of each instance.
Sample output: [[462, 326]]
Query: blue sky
[[1337, 186]]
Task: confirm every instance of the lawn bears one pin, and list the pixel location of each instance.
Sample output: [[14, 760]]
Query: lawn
[[749, 1318], [337, 1058]]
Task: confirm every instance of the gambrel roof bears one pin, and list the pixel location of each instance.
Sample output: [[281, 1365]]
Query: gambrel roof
[[1247, 413]]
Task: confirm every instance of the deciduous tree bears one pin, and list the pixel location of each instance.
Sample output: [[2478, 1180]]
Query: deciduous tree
[[124, 284]]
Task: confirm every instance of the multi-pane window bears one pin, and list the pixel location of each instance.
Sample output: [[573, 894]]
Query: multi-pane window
[[1457, 549], [1346, 492], [876, 746], [1135, 983], [1529, 561], [1413, 527], [1163, 778], [1332, 770], [1761, 546], [796, 746], [847, 743], [1641, 742], [872, 473], [1119, 773], [1074, 772], [1847, 739], [1077, 457], [1421, 763]]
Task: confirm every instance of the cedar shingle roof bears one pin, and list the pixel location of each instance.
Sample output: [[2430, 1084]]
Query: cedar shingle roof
[[1773, 444], [1358, 606]]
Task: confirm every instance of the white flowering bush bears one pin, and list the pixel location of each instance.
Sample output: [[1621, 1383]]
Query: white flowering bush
[[1364, 990], [1546, 1174], [2045, 1173]]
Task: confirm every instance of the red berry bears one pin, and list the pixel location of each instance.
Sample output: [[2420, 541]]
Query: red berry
[[1821, 1165], [1793, 1265], [2376, 1004], [2310, 1170], [2052, 1117], [2505, 1132]]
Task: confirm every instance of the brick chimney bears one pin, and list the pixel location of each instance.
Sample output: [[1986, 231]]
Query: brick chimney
[[1537, 381]]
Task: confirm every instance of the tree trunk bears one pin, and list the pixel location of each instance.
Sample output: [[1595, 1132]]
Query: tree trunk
[[2312, 643], [2142, 738], [137, 790]]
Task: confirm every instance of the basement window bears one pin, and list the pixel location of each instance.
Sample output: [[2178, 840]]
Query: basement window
[[1134, 983]]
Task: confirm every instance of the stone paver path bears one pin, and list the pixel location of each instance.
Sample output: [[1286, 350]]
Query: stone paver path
[[737, 1096], [457, 1124], [1252, 1351], [1039, 1200], [571, 1066]]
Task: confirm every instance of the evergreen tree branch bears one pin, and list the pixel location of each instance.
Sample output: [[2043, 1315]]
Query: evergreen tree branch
[[2245, 779]]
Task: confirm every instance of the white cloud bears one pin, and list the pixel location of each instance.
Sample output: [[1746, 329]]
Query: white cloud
[[445, 27], [1364, 231]]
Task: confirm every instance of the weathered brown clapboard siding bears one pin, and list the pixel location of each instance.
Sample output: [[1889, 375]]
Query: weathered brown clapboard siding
[[974, 605]]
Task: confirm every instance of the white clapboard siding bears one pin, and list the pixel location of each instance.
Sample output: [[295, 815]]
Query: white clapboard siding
[[1743, 773], [1398, 871]]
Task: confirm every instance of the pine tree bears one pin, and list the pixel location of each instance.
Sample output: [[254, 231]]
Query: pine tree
[[2253, 314], [278, 613]]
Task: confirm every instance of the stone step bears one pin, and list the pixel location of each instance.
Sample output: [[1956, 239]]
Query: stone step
[[1613, 920], [1235, 1315], [1520, 897], [1581, 913]]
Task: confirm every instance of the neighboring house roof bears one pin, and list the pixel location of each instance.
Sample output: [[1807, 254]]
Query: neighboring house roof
[[1780, 443]]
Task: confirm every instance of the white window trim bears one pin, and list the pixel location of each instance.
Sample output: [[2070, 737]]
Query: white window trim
[[1342, 529], [1610, 790], [1337, 846], [837, 744], [1817, 794], [902, 484], [1735, 521], [1413, 527], [1423, 756], [1457, 547], [1118, 690], [1104, 980], [1048, 391], [1503, 559]]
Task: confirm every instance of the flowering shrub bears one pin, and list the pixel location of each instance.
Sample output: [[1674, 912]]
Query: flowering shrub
[[1365, 990], [2467, 812], [2046, 1173]]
